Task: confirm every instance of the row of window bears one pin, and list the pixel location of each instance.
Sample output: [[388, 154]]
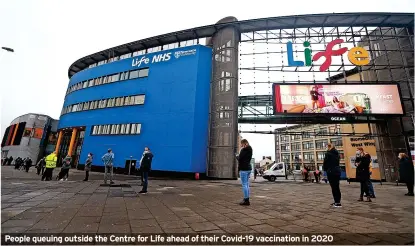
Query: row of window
[[307, 156], [133, 74], [149, 50], [117, 129], [320, 144], [105, 103]]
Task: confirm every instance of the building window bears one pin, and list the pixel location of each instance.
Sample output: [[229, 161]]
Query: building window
[[118, 129], [309, 156], [143, 73], [285, 158], [320, 155], [308, 145], [134, 74], [285, 147], [296, 146], [338, 142], [124, 76], [140, 73], [321, 144], [105, 103]]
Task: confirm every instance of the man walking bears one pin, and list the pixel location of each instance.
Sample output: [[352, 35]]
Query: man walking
[[50, 165], [108, 159], [331, 165], [146, 168], [245, 169]]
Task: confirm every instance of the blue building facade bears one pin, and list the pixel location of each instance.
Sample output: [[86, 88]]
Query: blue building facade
[[159, 100]]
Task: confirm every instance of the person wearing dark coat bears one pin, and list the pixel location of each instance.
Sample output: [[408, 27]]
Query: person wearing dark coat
[[406, 172], [245, 169], [28, 164], [362, 164], [146, 168], [41, 166], [331, 166], [9, 162]]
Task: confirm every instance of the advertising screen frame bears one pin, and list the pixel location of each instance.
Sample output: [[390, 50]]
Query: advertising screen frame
[[274, 105]]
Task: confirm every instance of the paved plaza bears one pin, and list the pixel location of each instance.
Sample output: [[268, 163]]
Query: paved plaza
[[188, 206]]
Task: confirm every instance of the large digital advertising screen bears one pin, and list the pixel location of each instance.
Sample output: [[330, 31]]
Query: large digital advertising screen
[[357, 99]]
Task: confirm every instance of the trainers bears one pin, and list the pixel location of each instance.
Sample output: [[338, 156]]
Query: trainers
[[66, 179], [331, 205], [245, 202], [60, 179], [143, 192], [337, 205]]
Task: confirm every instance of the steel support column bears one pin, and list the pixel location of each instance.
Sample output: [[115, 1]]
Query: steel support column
[[223, 130]]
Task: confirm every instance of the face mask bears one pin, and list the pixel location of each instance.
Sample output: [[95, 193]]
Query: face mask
[[89, 155], [358, 152]]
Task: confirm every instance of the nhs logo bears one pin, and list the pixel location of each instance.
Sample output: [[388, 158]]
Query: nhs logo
[[137, 62]]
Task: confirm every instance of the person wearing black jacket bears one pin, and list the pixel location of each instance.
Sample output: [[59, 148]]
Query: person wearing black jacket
[[331, 165], [245, 169], [406, 172], [362, 164], [146, 168], [28, 164]]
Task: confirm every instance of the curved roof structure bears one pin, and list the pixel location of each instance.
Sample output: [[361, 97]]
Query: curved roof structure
[[283, 22]]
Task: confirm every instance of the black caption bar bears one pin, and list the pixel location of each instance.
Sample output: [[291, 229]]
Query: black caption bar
[[199, 239]]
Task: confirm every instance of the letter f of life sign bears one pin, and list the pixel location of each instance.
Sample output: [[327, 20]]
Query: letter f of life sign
[[357, 55]]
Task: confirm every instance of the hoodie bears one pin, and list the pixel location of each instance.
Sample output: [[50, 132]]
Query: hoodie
[[146, 161], [331, 162]]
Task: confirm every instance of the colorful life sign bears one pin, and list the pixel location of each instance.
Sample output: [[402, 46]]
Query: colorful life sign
[[357, 55]]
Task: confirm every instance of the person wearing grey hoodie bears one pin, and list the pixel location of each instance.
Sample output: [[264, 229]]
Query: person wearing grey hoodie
[[108, 159], [88, 164], [66, 165]]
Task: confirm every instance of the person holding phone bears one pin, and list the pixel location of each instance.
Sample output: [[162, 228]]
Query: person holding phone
[[245, 169]]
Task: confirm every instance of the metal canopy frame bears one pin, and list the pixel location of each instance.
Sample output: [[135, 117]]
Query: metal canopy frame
[[284, 22]]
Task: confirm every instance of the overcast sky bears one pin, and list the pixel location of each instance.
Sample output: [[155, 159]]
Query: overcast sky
[[48, 36]]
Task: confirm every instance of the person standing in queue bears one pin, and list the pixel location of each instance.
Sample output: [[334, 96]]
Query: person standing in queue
[[28, 164], [40, 166], [66, 165], [362, 163], [139, 168], [331, 165], [406, 172], [50, 165], [88, 165], [108, 159], [371, 189], [146, 168], [245, 169]]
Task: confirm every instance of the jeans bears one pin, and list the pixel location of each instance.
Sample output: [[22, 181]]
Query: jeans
[[108, 172], [334, 181], [371, 190], [144, 176], [245, 182]]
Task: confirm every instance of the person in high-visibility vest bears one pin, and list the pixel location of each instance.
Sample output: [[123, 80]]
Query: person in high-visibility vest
[[50, 165]]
